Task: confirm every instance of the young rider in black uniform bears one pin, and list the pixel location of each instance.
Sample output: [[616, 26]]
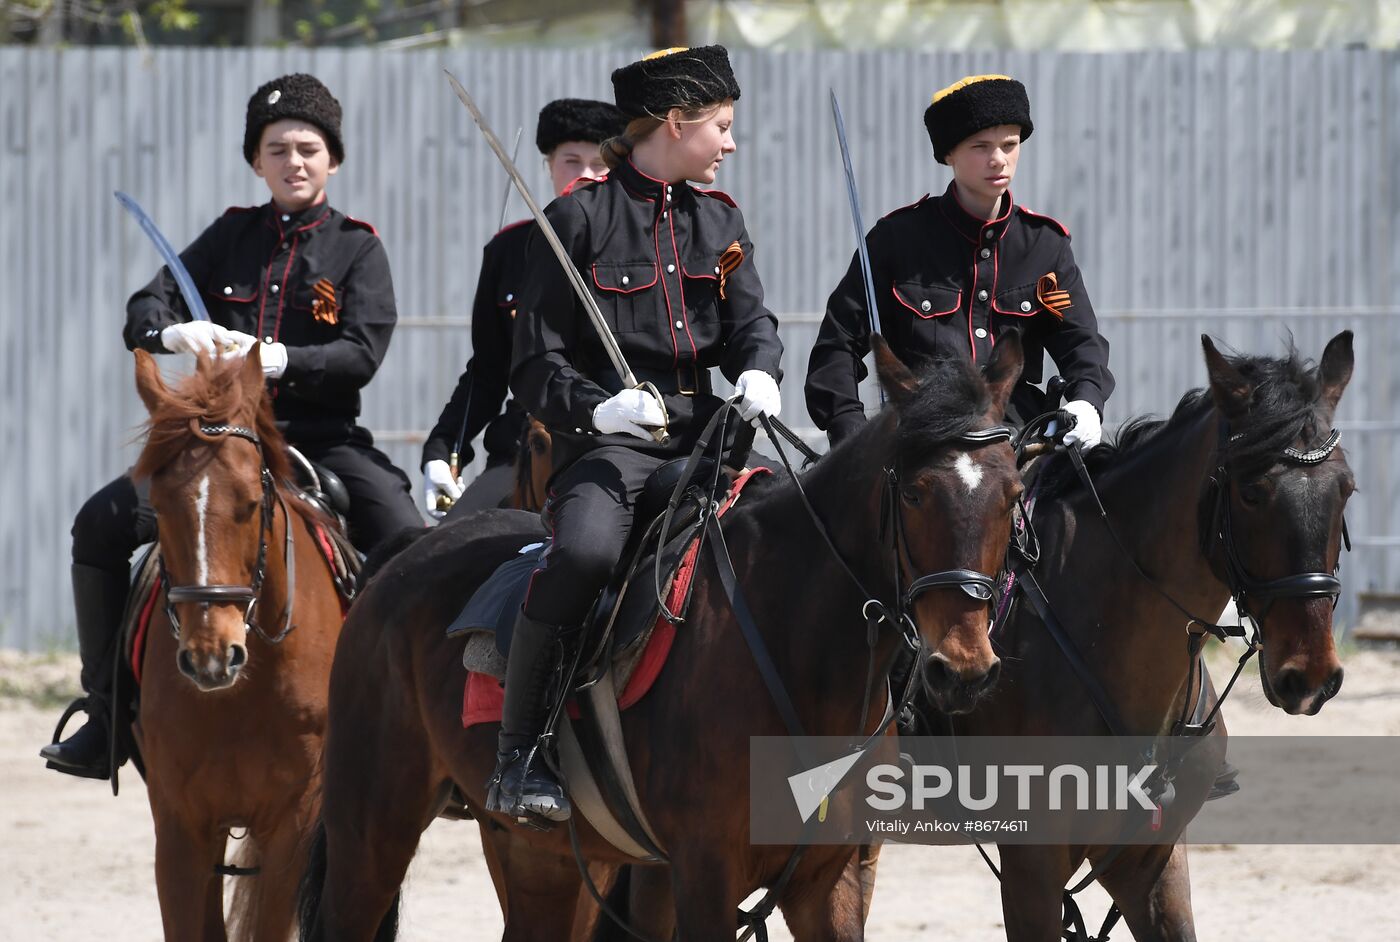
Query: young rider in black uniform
[[568, 135], [950, 273], [672, 269], [312, 286]]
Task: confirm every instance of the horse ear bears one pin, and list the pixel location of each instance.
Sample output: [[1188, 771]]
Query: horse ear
[[897, 379], [1334, 372], [1004, 370], [1228, 385], [150, 385]]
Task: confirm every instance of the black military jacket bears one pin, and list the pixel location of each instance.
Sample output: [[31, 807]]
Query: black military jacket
[[484, 382], [317, 281], [672, 269], [947, 283]]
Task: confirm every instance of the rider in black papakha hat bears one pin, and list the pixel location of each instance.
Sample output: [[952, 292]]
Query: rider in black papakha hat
[[671, 266], [309, 284], [952, 273], [568, 135]]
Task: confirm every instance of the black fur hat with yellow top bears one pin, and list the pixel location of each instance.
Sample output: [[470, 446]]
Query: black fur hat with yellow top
[[974, 104], [577, 119], [297, 96], [674, 78]]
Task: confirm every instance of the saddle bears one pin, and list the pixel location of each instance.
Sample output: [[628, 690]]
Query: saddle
[[322, 486], [621, 647], [488, 617]]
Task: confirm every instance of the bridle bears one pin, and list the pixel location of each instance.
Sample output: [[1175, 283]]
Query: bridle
[[247, 595], [976, 584], [1242, 584]]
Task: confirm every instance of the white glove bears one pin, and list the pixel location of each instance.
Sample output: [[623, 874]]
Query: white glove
[[196, 337], [274, 360], [758, 395], [244, 343], [631, 412], [1088, 428], [438, 480]]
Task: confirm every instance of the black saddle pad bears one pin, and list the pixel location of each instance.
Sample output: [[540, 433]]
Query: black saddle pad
[[493, 607]]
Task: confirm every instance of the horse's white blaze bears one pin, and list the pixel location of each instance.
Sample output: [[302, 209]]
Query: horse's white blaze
[[201, 506], [969, 472]]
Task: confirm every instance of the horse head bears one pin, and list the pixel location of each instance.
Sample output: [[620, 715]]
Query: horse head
[[1271, 518], [213, 456], [950, 503]]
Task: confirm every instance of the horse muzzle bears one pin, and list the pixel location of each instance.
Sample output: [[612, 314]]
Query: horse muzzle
[[213, 670]]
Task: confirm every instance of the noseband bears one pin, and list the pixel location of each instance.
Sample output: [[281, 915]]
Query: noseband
[[247, 595], [1244, 586]]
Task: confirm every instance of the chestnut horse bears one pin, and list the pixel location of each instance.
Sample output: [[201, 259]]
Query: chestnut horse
[[395, 742], [235, 672], [1238, 494]]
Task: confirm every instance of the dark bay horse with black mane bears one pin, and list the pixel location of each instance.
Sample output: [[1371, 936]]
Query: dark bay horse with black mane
[[1238, 494], [236, 667], [396, 743]]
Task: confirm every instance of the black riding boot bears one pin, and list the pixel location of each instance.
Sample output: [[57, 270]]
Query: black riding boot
[[99, 600], [523, 784]]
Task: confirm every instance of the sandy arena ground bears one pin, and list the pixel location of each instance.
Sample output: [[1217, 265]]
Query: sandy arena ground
[[76, 864]]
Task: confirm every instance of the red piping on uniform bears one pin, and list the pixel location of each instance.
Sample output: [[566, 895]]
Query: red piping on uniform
[[282, 295], [543, 557], [312, 225], [685, 313], [900, 298], [971, 301], [603, 287], [670, 319]]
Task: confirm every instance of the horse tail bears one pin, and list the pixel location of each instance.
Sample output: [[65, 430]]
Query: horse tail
[[313, 884], [242, 918]]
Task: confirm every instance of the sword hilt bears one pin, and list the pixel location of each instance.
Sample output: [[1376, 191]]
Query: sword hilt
[[660, 433]]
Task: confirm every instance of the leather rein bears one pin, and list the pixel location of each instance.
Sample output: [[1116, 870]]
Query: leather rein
[[247, 595]]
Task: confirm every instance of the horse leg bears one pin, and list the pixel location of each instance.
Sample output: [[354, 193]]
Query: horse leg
[[706, 888], [542, 888], [282, 858], [372, 830], [829, 906], [1033, 882], [1152, 886], [190, 908]]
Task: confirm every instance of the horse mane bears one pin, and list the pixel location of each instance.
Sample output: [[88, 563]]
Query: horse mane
[[1283, 408], [951, 398]]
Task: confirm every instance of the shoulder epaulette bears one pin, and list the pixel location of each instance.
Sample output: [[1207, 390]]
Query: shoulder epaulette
[[914, 205], [720, 195], [240, 209], [1059, 226], [363, 225], [582, 181]]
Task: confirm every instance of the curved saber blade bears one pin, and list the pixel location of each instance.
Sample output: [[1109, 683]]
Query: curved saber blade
[[505, 197], [183, 281], [590, 304], [853, 196]]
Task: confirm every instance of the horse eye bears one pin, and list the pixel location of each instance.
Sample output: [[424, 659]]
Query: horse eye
[[1253, 495], [910, 496]]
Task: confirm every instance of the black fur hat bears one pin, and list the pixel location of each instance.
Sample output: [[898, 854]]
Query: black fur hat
[[973, 104], [577, 119], [298, 96], [674, 78]]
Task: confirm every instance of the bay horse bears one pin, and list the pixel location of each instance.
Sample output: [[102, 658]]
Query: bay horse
[[395, 742], [1240, 494], [236, 666]]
